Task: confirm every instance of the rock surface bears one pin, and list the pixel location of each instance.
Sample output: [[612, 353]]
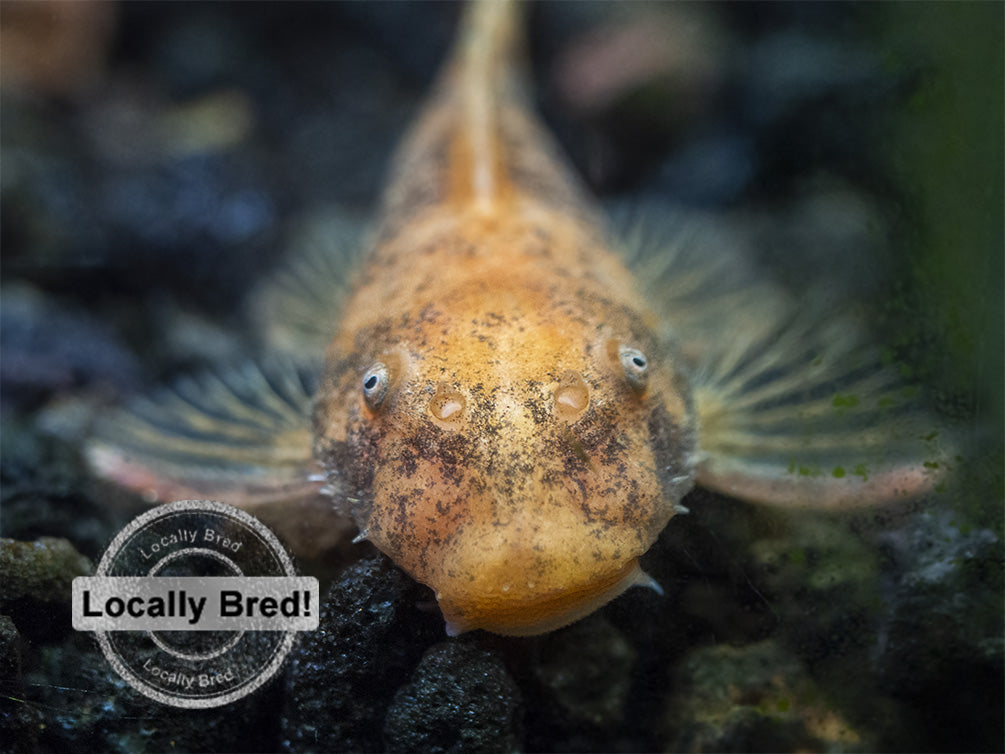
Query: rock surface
[[460, 698]]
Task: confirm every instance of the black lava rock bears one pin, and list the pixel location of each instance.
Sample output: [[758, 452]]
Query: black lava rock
[[88, 707], [45, 492], [585, 672], [10, 649], [342, 677], [460, 699], [942, 629]]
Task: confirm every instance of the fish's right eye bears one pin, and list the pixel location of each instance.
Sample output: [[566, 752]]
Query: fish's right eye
[[375, 383]]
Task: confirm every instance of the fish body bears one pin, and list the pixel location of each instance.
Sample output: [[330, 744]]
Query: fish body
[[505, 409], [517, 447]]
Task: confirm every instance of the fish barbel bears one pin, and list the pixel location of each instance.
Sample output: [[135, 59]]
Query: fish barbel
[[514, 399]]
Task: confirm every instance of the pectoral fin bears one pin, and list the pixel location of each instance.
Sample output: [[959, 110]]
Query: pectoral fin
[[244, 431], [802, 414], [240, 436], [794, 405], [299, 307]]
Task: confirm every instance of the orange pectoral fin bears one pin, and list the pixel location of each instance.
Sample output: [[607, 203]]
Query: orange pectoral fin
[[163, 481]]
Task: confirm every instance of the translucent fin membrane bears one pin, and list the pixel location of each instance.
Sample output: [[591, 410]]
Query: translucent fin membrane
[[244, 432], [806, 414], [795, 406], [298, 309]]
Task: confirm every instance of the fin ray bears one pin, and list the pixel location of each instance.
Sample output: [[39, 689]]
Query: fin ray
[[794, 404], [242, 434], [299, 308]]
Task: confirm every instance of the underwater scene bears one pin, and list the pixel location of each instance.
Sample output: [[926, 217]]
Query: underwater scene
[[810, 200]]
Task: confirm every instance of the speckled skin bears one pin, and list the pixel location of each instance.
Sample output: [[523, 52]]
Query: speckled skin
[[510, 460]]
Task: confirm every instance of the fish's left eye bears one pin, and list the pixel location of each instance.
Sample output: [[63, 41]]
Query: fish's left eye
[[636, 367], [375, 382]]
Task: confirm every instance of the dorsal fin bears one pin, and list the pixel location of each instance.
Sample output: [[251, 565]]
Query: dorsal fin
[[795, 405], [482, 78], [478, 143]]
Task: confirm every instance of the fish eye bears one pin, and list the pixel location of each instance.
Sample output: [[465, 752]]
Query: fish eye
[[375, 382], [636, 367]]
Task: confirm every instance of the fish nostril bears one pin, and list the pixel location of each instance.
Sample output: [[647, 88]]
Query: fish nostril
[[572, 396], [447, 407]]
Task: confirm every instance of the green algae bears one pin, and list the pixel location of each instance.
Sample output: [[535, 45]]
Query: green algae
[[758, 697], [943, 149], [844, 401], [43, 570]]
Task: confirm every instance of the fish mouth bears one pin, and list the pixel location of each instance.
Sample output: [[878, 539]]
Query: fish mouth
[[526, 550], [536, 612], [533, 574]]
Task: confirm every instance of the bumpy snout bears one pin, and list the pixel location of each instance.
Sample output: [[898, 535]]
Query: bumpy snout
[[523, 508]]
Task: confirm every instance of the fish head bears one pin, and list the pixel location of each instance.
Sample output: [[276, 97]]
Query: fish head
[[516, 459]]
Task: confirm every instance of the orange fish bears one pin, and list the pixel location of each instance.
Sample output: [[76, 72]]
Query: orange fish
[[515, 399]]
